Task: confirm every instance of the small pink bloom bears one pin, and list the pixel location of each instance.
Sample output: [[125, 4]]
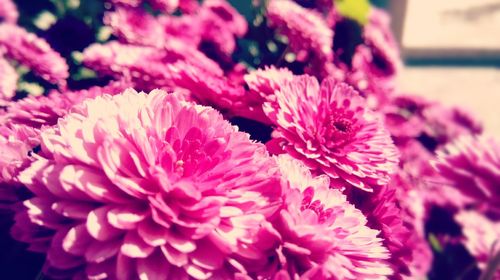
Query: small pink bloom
[[308, 34], [33, 52], [472, 166], [135, 26]]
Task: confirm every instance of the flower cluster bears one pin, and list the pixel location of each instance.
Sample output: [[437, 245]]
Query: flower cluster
[[193, 142]]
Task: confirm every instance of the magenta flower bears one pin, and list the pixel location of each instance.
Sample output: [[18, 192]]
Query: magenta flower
[[329, 128], [220, 24], [8, 82], [472, 165], [207, 88], [8, 11], [135, 26], [322, 233], [33, 52], [378, 36], [145, 67], [367, 76], [167, 6], [147, 186], [38, 111], [308, 34], [481, 236]]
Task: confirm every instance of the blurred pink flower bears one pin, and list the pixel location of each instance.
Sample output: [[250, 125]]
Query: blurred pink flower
[[329, 128], [322, 233], [8, 11], [167, 6], [145, 67], [136, 26], [34, 52], [308, 34], [379, 38], [220, 24], [38, 111], [206, 87], [472, 166], [481, 236], [369, 79], [147, 186], [8, 82]]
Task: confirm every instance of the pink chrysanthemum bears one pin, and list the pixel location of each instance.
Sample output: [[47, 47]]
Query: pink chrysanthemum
[[369, 78], [378, 36], [38, 111], [33, 52], [472, 165], [8, 82], [146, 67], [147, 186], [308, 34], [481, 236], [329, 128], [8, 11], [220, 24], [322, 232], [135, 26]]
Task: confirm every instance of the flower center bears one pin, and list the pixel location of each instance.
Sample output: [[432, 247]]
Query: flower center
[[338, 131], [315, 205]]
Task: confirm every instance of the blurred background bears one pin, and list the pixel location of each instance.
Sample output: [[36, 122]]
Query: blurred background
[[452, 52]]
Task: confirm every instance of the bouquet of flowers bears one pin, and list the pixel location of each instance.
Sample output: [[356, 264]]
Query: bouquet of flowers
[[179, 139]]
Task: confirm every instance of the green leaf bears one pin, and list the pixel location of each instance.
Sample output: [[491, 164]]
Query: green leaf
[[357, 10]]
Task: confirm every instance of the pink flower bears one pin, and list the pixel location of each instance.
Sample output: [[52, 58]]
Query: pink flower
[[147, 186], [481, 236], [444, 124], [322, 233], [369, 78], [220, 24], [472, 166], [378, 36], [207, 88], [8, 82], [308, 34], [33, 52], [135, 26], [167, 6], [329, 128], [8, 11], [38, 111], [146, 67]]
